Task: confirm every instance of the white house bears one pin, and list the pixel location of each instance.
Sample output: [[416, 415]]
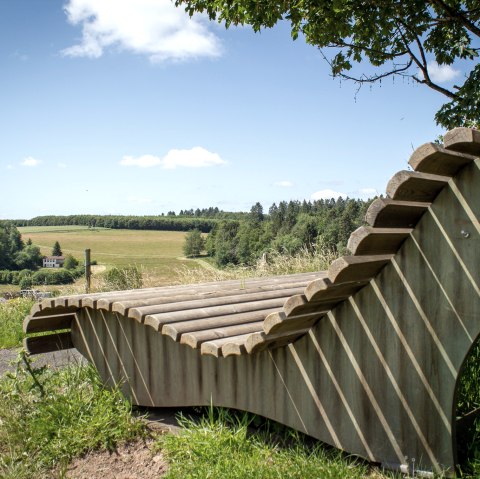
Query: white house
[[53, 261]]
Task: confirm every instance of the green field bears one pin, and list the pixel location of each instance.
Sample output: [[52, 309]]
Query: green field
[[158, 253]]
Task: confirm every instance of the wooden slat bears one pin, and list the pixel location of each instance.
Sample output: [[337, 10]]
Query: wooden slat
[[357, 268], [158, 320], [47, 323], [123, 307], [191, 304], [386, 213], [175, 330], [194, 340], [257, 342], [465, 140], [324, 289], [415, 186], [37, 312], [48, 344], [433, 158], [299, 304], [215, 347], [276, 323], [367, 240]]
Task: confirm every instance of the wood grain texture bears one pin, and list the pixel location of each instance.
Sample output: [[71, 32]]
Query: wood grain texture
[[367, 240], [433, 158], [324, 289], [465, 140], [276, 323], [386, 213], [47, 323], [414, 186], [48, 344], [356, 268]]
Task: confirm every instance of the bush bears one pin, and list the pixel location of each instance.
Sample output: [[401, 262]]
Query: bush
[[70, 262], [194, 243], [50, 276], [12, 314], [129, 277]]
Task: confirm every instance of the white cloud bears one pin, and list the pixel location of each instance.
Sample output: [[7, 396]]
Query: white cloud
[[196, 157], [138, 199], [284, 184], [155, 28], [327, 195], [442, 73], [368, 191], [30, 161]]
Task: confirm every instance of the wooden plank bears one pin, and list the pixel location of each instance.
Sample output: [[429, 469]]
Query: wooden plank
[[195, 339], [49, 343], [433, 158], [367, 240], [203, 313], [215, 347], [36, 312], [123, 307], [299, 304], [257, 342], [386, 213], [323, 289], [276, 323], [47, 323], [357, 268], [175, 330], [415, 186], [463, 139], [178, 305]]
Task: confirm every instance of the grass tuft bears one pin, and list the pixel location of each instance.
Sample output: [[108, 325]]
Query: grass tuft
[[12, 314], [48, 417]]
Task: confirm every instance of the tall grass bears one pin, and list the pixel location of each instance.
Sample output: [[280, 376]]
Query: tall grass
[[222, 445], [48, 417], [12, 314]]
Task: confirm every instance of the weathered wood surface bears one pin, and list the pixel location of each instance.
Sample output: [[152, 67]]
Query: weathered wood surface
[[366, 358], [49, 343]]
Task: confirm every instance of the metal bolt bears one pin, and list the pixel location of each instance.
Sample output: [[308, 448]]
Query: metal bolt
[[465, 234]]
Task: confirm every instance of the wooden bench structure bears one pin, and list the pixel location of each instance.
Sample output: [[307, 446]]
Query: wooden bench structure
[[365, 356]]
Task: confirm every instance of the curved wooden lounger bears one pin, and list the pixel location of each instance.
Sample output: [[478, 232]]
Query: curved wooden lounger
[[365, 356]]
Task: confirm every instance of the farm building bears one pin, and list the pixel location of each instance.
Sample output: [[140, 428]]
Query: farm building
[[53, 261]]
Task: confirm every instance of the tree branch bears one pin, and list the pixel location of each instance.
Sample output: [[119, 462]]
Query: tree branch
[[457, 15]]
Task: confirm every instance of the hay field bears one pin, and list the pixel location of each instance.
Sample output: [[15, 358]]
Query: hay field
[[158, 253]]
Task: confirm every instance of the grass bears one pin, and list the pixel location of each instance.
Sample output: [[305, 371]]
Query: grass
[[158, 253], [221, 444], [48, 417], [12, 314]]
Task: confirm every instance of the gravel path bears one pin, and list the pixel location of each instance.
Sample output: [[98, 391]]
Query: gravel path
[[57, 359]]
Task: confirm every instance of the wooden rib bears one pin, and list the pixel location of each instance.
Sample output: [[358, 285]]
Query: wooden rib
[[357, 268], [190, 304], [257, 342], [433, 158], [367, 240], [47, 323], [415, 186], [175, 330], [37, 312], [388, 213], [194, 340], [323, 289], [122, 307], [215, 347], [299, 304], [463, 139], [279, 322], [157, 320], [48, 344]]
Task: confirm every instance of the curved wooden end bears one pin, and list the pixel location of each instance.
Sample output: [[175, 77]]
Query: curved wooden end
[[386, 213], [357, 268], [367, 240], [415, 186], [463, 139], [433, 158]]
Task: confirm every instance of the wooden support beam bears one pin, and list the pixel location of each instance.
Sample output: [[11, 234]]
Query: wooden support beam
[[277, 323], [47, 323], [257, 342], [368, 241], [386, 213], [433, 158], [415, 186], [465, 140], [357, 268], [299, 304], [48, 344], [225, 346], [324, 289]]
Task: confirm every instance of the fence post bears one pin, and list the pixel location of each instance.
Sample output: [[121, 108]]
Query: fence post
[[88, 270]]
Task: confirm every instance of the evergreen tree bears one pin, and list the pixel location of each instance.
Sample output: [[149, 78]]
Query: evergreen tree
[[57, 250]]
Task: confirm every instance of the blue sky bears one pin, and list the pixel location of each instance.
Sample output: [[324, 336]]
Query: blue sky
[[129, 107]]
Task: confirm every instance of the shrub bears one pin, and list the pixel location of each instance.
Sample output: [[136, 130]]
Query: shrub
[[70, 262], [129, 277]]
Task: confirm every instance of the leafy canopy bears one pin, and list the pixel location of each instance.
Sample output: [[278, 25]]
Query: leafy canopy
[[398, 37]]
